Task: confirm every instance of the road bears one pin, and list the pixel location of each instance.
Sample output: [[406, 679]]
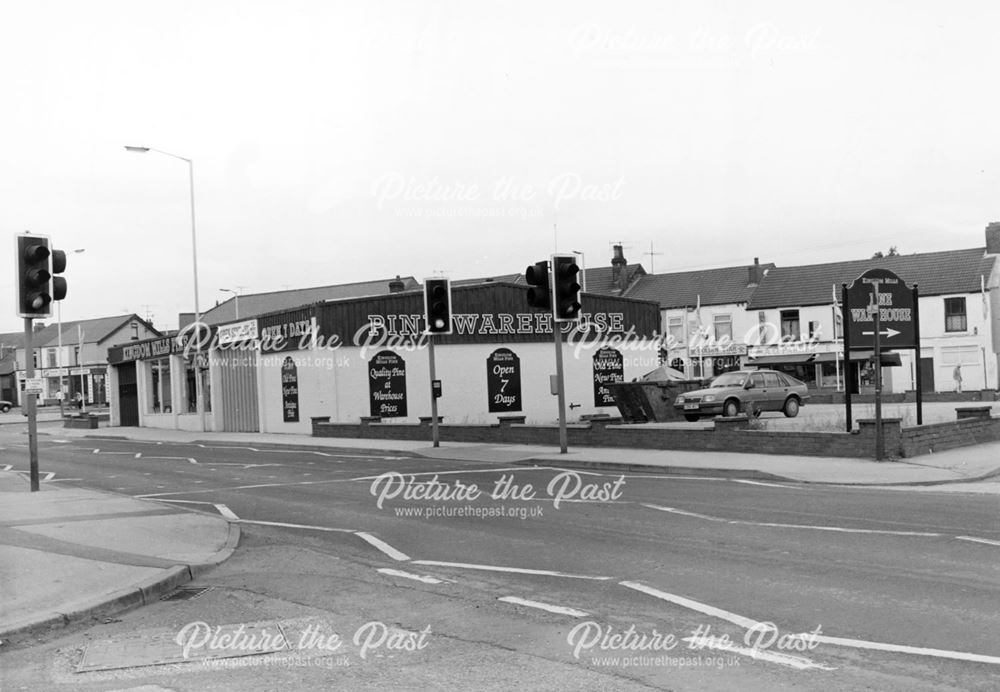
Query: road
[[895, 589]]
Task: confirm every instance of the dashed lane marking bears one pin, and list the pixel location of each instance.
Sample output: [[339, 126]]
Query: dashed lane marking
[[383, 546], [673, 510], [513, 570], [409, 575], [766, 485], [559, 610]]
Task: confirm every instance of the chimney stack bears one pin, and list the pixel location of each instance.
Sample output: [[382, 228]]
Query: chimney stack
[[993, 238], [619, 278], [754, 272], [396, 285]]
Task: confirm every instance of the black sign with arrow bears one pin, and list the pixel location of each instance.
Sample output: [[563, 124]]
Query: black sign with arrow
[[897, 316]]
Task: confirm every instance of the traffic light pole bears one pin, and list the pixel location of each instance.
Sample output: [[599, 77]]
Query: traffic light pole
[[29, 403], [435, 435], [557, 331]]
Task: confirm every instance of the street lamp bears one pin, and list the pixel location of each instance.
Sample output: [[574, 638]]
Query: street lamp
[[199, 396], [59, 351], [236, 296]]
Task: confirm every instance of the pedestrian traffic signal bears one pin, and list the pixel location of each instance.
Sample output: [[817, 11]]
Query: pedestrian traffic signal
[[36, 288], [566, 306], [437, 306], [537, 276]]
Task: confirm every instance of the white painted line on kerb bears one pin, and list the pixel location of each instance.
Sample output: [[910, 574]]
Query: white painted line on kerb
[[513, 570], [409, 575], [748, 623], [987, 541], [383, 546], [558, 610], [227, 513]]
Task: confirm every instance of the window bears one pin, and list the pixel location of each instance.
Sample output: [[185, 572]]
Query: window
[[771, 380], [762, 327], [838, 326], [954, 315], [76, 355], [159, 386], [757, 379], [50, 358], [675, 329], [959, 355], [815, 330], [723, 327], [790, 325], [191, 386], [135, 331]]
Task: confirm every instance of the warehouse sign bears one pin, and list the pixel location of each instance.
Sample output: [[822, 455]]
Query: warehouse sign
[[387, 385], [882, 291], [503, 381]]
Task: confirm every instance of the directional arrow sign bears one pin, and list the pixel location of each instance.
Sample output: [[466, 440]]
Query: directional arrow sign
[[887, 333], [895, 310]]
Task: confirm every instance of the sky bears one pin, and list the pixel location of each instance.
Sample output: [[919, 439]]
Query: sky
[[338, 141]]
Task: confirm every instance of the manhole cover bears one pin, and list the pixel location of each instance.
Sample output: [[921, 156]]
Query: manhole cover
[[185, 593]]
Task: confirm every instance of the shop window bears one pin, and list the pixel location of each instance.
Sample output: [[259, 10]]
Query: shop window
[[790, 325], [191, 387], [954, 315], [159, 386], [723, 327]]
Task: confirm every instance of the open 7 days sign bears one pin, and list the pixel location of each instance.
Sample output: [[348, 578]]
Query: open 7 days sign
[[897, 317]]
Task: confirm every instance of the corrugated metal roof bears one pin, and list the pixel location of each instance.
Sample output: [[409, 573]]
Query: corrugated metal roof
[[254, 304], [683, 289], [936, 273]]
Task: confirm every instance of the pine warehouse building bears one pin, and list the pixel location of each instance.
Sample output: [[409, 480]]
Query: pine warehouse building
[[367, 359]]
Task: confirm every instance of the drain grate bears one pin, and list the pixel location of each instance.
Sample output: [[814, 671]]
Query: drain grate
[[185, 593]]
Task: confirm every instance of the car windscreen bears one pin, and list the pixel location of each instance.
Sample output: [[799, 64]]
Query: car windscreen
[[730, 379]]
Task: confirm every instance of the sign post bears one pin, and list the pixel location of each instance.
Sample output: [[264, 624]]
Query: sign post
[[29, 402], [880, 311]]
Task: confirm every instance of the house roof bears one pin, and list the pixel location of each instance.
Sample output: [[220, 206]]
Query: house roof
[[254, 304], [936, 273], [598, 279], [709, 286], [94, 330]]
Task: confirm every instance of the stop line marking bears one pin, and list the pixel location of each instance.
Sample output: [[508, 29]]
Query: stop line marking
[[409, 575]]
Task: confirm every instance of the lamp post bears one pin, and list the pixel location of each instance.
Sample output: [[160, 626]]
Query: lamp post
[[59, 351], [199, 395], [236, 296]]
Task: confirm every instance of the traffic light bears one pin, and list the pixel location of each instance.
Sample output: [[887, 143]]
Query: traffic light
[[437, 306], [566, 306], [537, 276]]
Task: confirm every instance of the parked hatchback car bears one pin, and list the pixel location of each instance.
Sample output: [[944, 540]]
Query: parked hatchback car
[[5, 406], [742, 390]]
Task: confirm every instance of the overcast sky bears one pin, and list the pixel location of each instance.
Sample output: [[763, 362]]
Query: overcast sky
[[350, 141]]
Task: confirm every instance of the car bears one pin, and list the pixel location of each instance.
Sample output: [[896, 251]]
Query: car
[[6, 406], [743, 390]]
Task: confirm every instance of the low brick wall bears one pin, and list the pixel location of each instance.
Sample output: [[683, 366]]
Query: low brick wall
[[974, 426]]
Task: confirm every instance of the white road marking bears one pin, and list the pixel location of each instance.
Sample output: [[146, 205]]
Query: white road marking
[[559, 610], [187, 502], [766, 485], [138, 455], [450, 473], [285, 525], [63, 480], [383, 546], [790, 660], [673, 510], [748, 623], [514, 570], [227, 513], [839, 529], [409, 575], [987, 541]]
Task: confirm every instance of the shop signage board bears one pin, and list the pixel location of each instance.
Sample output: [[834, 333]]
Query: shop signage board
[[387, 385], [503, 381], [237, 332], [895, 306], [289, 391], [608, 368], [34, 385]]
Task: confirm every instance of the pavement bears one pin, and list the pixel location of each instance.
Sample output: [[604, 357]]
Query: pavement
[[70, 554]]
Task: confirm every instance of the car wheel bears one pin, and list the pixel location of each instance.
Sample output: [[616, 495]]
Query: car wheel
[[791, 407], [6, 408], [731, 408], [691, 417]]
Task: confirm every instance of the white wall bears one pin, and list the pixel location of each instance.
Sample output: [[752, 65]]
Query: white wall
[[335, 384]]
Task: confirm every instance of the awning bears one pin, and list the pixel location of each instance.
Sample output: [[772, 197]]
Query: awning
[[832, 356], [787, 359]]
